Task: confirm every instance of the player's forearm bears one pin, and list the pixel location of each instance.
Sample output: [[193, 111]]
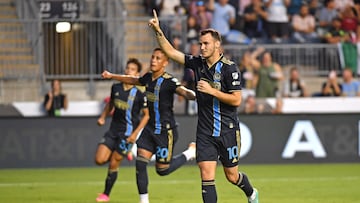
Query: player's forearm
[[187, 93], [169, 50], [233, 99], [132, 80], [66, 102], [48, 104], [106, 111], [190, 95], [142, 123]]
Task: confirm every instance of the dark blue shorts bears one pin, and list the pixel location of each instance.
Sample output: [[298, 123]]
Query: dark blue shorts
[[225, 148], [162, 145], [116, 142]]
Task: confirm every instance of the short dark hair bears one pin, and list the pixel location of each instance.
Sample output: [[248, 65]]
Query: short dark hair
[[136, 62], [162, 51], [215, 34]]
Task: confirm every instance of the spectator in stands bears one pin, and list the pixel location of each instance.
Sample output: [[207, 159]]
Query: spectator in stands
[[247, 70], [239, 6], [331, 87], [277, 19], [223, 16], [349, 87], [341, 5], [349, 19], [192, 7], [294, 87], [294, 7], [357, 8], [192, 29], [278, 106], [326, 16], [176, 22], [267, 77], [314, 7], [335, 34], [357, 35], [250, 106], [304, 26], [255, 18], [151, 5], [55, 100], [202, 15], [167, 7]]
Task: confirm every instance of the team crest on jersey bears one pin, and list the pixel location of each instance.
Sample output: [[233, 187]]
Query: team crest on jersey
[[117, 94], [235, 75], [217, 76], [217, 85]]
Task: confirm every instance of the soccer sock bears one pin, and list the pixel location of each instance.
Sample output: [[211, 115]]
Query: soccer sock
[[208, 191], [142, 179], [144, 198], [110, 180], [175, 163], [244, 184]]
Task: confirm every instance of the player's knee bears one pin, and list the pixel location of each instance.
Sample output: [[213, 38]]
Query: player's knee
[[162, 171], [100, 161], [141, 162], [233, 178]]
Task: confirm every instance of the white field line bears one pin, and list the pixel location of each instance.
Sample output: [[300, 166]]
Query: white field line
[[120, 182]]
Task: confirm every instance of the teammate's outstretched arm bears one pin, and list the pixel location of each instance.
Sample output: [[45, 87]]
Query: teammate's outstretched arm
[[185, 92], [132, 80], [164, 44]]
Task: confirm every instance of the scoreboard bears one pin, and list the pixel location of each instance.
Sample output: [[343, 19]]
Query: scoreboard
[[59, 9]]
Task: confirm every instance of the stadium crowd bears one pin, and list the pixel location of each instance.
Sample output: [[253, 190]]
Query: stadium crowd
[[271, 22], [267, 21]]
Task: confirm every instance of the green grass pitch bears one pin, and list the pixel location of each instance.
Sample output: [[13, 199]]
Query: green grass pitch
[[293, 183]]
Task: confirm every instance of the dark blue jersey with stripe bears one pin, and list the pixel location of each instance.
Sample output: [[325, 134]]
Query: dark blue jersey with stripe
[[160, 95], [215, 117], [128, 105]]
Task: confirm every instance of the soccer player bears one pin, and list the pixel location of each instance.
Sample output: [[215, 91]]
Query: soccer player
[[218, 94], [160, 134], [129, 117]]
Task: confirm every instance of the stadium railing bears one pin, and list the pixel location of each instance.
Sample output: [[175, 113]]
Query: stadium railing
[[311, 59], [99, 39]]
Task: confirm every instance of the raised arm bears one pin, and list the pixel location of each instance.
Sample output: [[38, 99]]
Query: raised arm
[[164, 43], [133, 80]]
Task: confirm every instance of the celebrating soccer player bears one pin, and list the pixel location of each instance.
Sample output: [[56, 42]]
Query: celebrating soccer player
[[218, 95], [128, 101], [160, 134]]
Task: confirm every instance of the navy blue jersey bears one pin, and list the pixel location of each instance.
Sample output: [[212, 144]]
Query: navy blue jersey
[[215, 117], [128, 104], [160, 95]]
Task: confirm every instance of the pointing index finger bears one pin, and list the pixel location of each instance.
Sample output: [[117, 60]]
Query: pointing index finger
[[155, 15]]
